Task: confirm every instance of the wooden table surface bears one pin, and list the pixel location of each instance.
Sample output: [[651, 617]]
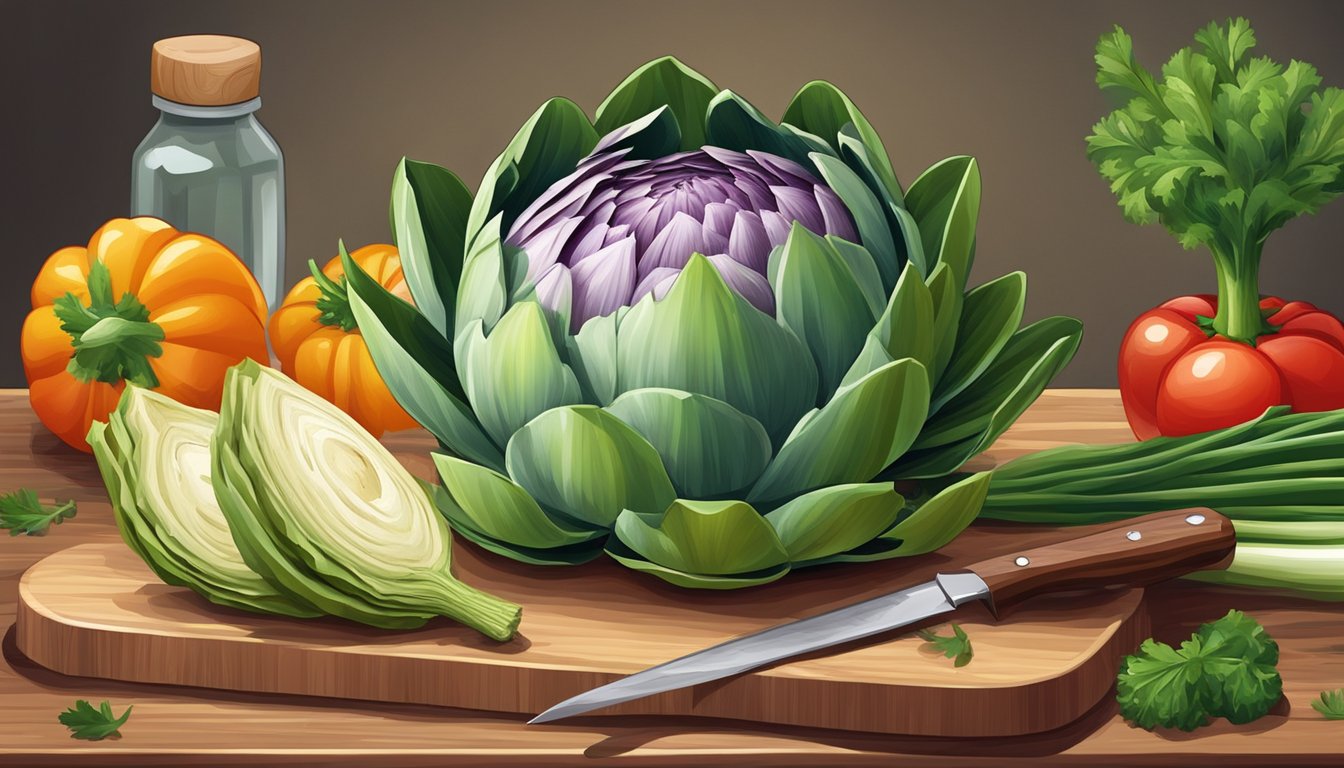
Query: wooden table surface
[[183, 726]]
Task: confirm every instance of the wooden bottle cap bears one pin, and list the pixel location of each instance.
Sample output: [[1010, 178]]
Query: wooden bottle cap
[[206, 70]]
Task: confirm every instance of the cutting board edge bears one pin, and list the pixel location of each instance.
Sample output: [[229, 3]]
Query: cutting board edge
[[85, 649]]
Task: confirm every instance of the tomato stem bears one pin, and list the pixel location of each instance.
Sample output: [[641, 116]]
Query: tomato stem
[[1239, 317]]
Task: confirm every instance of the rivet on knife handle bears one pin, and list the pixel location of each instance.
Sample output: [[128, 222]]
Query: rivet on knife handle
[[1136, 552]]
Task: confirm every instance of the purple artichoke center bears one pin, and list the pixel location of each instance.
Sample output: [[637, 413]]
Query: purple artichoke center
[[616, 230]]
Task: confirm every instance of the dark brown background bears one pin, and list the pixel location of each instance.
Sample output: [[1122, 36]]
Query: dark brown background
[[350, 87]]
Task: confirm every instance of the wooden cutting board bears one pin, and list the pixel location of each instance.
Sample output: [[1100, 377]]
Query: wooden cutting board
[[95, 610]]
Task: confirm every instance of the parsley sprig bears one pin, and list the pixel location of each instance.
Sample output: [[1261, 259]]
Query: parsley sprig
[[86, 722], [1226, 669], [1223, 149], [23, 514], [956, 646], [1330, 705]]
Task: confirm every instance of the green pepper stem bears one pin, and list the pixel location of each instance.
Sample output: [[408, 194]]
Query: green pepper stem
[[1239, 317], [334, 301]]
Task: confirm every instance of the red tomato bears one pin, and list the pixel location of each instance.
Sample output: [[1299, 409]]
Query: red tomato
[[1176, 378]]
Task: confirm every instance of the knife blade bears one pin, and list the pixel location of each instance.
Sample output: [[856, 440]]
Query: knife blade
[[1139, 551]]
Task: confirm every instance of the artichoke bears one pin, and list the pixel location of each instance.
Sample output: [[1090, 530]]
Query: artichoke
[[701, 341]]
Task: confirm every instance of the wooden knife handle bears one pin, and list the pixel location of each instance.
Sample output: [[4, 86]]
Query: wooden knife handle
[[1142, 550]]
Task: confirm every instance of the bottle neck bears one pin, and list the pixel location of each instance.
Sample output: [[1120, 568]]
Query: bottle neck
[[172, 109]]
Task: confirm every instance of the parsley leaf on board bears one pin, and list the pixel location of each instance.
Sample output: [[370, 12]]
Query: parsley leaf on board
[[91, 724], [1330, 705], [957, 646], [22, 513], [1226, 669]]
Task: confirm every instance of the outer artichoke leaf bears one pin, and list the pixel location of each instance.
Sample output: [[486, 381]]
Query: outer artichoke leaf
[[484, 291], [429, 211], [855, 155], [906, 327], [868, 213], [733, 123], [814, 142], [592, 356], [818, 298], [588, 465], [1034, 356], [936, 521], [859, 156], [710, 448], [648, 137], [829, 521], [416, 363], [989, 317], [493, 505], [945, 201], [703, 337], [865, 427], [864, 269], [574, 554], [712, 538], [825, 110], [547, 148], [945, 288], [910, 244], [662, 82], [515, 373], [632, 560]]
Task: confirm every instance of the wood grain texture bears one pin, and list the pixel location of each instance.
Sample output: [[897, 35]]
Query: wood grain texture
[[206, 70], [1144, 550], [97, 611], [174, 726]]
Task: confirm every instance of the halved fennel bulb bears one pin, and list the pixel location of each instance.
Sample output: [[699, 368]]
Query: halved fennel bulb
[[154, 455], [326, 514]]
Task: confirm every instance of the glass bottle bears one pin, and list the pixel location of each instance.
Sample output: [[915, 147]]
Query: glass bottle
[[208, 165]]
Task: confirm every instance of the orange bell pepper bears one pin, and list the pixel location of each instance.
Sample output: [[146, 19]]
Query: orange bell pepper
[[141, 303]]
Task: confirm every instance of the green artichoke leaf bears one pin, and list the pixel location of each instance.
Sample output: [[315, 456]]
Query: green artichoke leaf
[[905, 328], [814, 142], [490, 503], [416, 363], [663, 82], [428, 214], [908, 245], [703, 337], [626, 556], [865, 427], [588, 465], [710, 448], [818, 297], [592, 356], [945, 201], [945, 288], [567, 554], [911, 244], [733, 123], [990, 315], [869, 217], [710, 538], [485, 290], [515, 373], [859, 156], [825, 110], [975, 419], [923, 526], [649, 137], [862, 265], [829, 521], [547, 148]]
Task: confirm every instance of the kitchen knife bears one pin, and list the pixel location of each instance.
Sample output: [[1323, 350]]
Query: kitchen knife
[[1139, 551]]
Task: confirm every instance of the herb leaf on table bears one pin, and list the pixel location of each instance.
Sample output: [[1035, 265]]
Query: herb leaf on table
[[1226, 669], [91, 724], [23, 514], [956, 647], [1330, 705]]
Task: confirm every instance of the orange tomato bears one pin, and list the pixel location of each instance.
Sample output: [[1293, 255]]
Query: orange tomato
[[318, 344], [143, 303]]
